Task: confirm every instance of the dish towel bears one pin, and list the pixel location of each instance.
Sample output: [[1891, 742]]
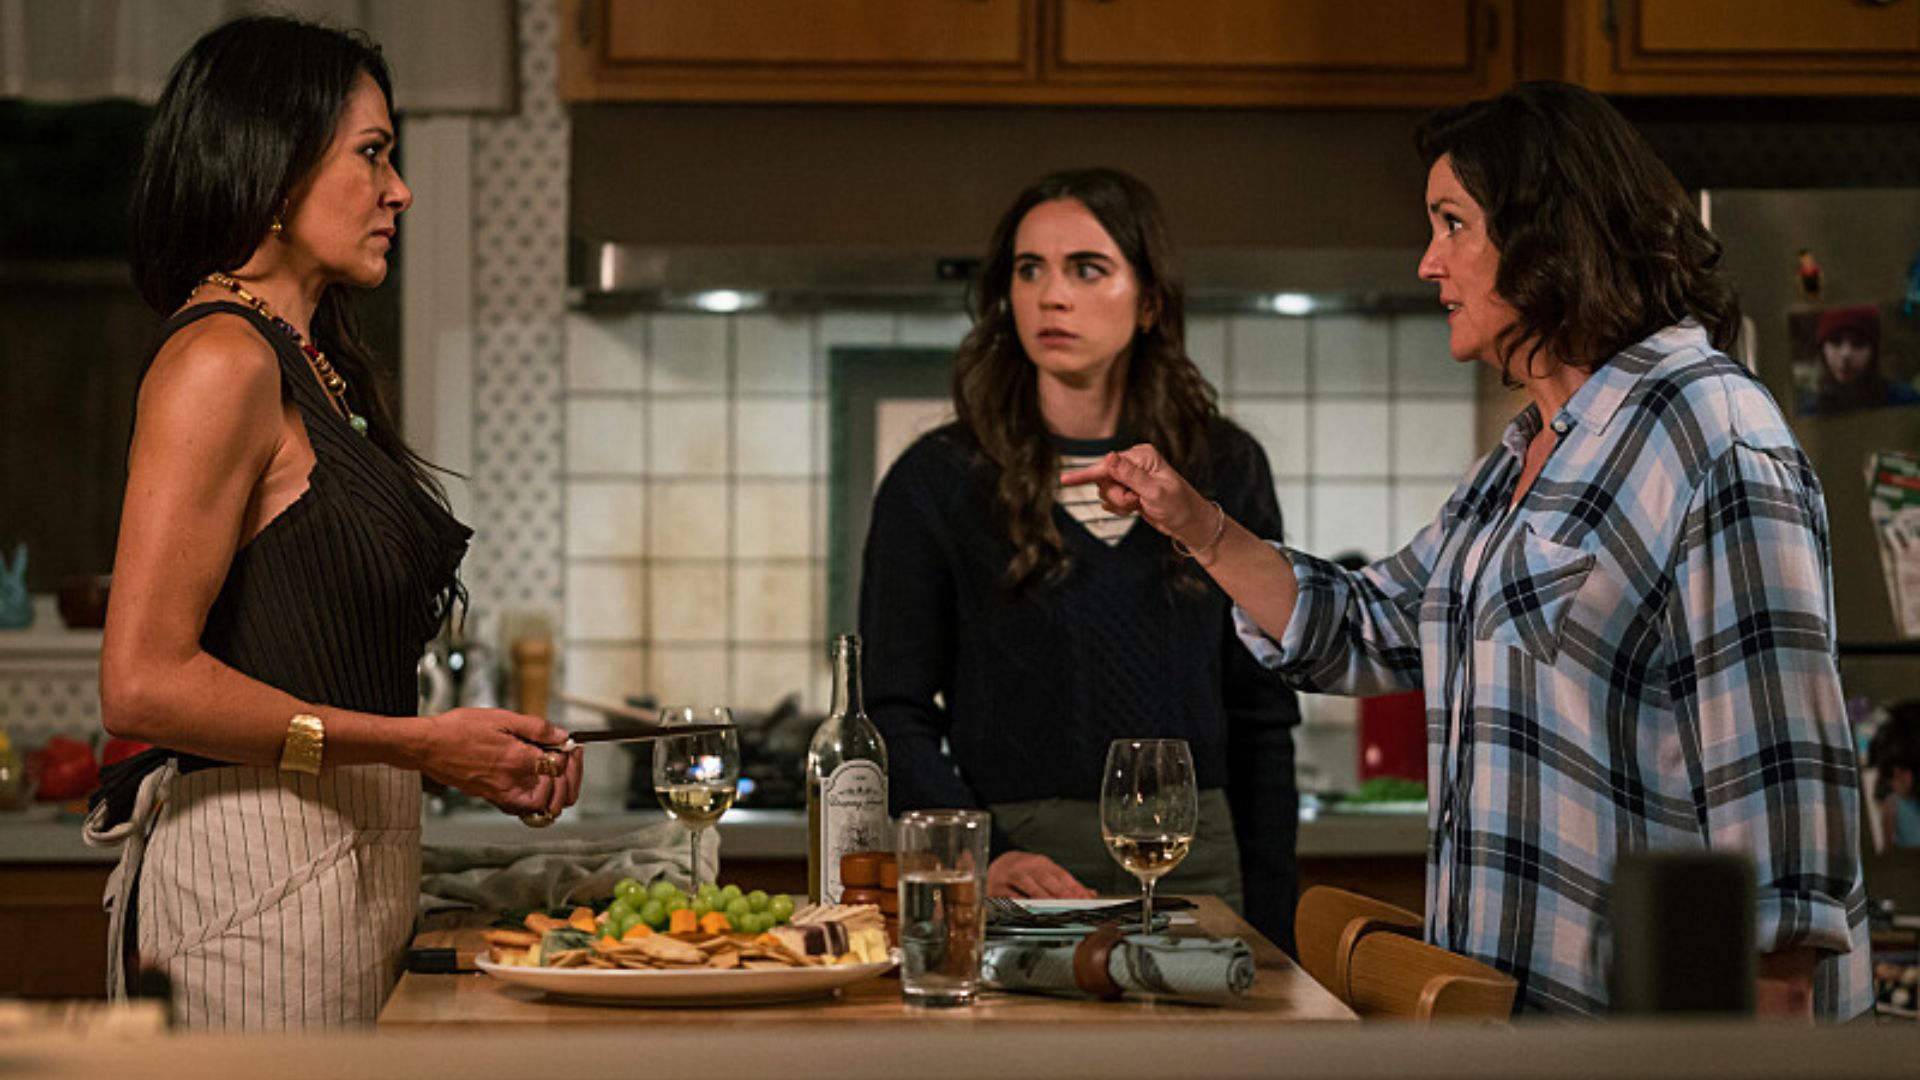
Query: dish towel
[[1217, 969], [544, 874]]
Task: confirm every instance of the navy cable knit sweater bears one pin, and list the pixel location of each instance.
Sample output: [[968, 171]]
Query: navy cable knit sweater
[[1028, 687]]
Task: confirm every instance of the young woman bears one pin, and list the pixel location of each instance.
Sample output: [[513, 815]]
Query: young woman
[[1014, 629], [1850, 376], [283, 558], [1622, 619]]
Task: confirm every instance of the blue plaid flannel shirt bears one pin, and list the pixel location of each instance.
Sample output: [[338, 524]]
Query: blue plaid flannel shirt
[[1638, 656]]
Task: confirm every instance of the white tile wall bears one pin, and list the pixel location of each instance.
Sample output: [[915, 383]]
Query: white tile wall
[[689, 355], [773, 520], [606, 519], [690, 520], [1284, 426], [774, 437], [608, 600], [687, 436], [697, 518], [1269, 356], [1350, 438], [1351, 354], [605, 435], [1207, 345], [689, 602]]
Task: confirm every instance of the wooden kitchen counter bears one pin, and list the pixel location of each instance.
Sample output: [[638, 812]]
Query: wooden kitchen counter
[[1281, 993]]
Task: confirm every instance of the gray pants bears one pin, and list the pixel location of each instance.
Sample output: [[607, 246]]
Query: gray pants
[[1068, 832]]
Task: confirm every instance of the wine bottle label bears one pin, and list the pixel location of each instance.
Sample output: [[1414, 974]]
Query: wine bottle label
[[853, 817]]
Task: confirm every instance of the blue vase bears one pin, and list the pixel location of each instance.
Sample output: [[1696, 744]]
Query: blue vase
[[16, 604]]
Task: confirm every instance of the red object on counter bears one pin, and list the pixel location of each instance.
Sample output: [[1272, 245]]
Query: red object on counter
[[117, 750], [63, 769], [1393, 736]]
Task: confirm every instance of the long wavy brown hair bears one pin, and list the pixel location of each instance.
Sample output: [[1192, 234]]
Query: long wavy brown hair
[[1165, 402], [1599, 245]]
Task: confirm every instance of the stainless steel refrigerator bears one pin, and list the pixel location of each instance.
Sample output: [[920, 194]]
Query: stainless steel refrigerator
[[1863, 244]]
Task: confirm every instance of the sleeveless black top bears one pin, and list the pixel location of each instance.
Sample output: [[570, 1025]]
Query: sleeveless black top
[[334, 600]]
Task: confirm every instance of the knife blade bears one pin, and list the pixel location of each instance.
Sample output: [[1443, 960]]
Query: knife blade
[[576, 739]]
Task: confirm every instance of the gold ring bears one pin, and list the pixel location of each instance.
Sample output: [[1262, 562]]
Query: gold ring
[[549, 764], [536, 820]]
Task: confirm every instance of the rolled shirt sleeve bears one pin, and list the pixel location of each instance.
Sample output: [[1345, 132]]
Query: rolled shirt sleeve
[[1757, 694]]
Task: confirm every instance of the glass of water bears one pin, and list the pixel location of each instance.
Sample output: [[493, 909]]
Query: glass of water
[[943, 891]]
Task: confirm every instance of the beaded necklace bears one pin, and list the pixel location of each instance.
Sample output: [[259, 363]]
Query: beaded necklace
[[330, 380]]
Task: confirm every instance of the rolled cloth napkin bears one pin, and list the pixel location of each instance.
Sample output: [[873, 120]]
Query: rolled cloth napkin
[[549, 873], [1217, 969]]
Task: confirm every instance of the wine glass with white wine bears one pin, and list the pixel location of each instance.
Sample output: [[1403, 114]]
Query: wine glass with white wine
[[695, 776], [1149, 810]]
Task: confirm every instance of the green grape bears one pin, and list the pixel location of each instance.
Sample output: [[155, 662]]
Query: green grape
[[663, 889], [780, 907], [621, 908], [654, 914], [737, 908], [624, 924], [630, 890], [763, 922], [731, 892], [757, 900], [708, 891], [701, 906], [677, 902]]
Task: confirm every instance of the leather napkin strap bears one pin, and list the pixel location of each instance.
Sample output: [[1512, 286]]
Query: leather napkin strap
[[1090, 957]]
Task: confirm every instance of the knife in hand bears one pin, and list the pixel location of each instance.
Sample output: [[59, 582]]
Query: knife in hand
[[646, 726], [577, 739]]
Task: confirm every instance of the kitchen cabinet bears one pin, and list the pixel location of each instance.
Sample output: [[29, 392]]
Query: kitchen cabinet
[[1256, 52], [54, 930], [1040, 52], [1740, 47], [777, 50]]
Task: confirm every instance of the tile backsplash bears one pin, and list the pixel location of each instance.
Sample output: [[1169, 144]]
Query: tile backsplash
[[695, 476]]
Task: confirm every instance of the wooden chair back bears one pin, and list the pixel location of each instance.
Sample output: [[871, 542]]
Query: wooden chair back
[[1368, 953], [1389, 974], [1321, 924]]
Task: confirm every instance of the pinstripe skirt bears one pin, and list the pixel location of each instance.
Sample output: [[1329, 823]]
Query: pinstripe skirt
[[280, 901]]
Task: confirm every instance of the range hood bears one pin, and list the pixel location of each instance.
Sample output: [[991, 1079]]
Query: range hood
[[608, 276]]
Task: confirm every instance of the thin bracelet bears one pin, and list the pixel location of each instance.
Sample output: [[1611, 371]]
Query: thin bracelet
[[1219, 530], [306, 739]]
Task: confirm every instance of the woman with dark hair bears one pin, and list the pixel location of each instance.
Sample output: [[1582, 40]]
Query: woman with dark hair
[[283, 559], [1622, 618], [1011, 620]]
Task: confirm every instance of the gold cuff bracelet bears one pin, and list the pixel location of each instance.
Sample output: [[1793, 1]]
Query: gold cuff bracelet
[[306, 737]]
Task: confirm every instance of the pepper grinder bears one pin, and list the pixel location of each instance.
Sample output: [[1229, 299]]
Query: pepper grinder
[[532, 674]]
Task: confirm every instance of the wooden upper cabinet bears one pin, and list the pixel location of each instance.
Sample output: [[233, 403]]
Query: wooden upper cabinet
[[1175, 52], [1739, 47], [792, 50], [1375, 52]]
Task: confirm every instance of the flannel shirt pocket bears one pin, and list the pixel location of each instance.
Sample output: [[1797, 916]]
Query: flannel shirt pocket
[[1531, 594]]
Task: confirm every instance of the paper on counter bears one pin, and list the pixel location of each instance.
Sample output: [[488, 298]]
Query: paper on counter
[[1893, 498]]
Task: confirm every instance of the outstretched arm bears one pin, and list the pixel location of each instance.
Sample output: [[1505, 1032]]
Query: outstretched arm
[[1138, 480]]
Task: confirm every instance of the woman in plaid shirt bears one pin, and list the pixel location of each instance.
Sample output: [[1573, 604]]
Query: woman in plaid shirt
[[1622, 618]]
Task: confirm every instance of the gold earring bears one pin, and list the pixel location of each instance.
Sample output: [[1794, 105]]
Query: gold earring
[[275, 227]]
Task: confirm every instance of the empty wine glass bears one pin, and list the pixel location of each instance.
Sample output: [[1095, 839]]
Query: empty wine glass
[[694, 776], [1149, 810]]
